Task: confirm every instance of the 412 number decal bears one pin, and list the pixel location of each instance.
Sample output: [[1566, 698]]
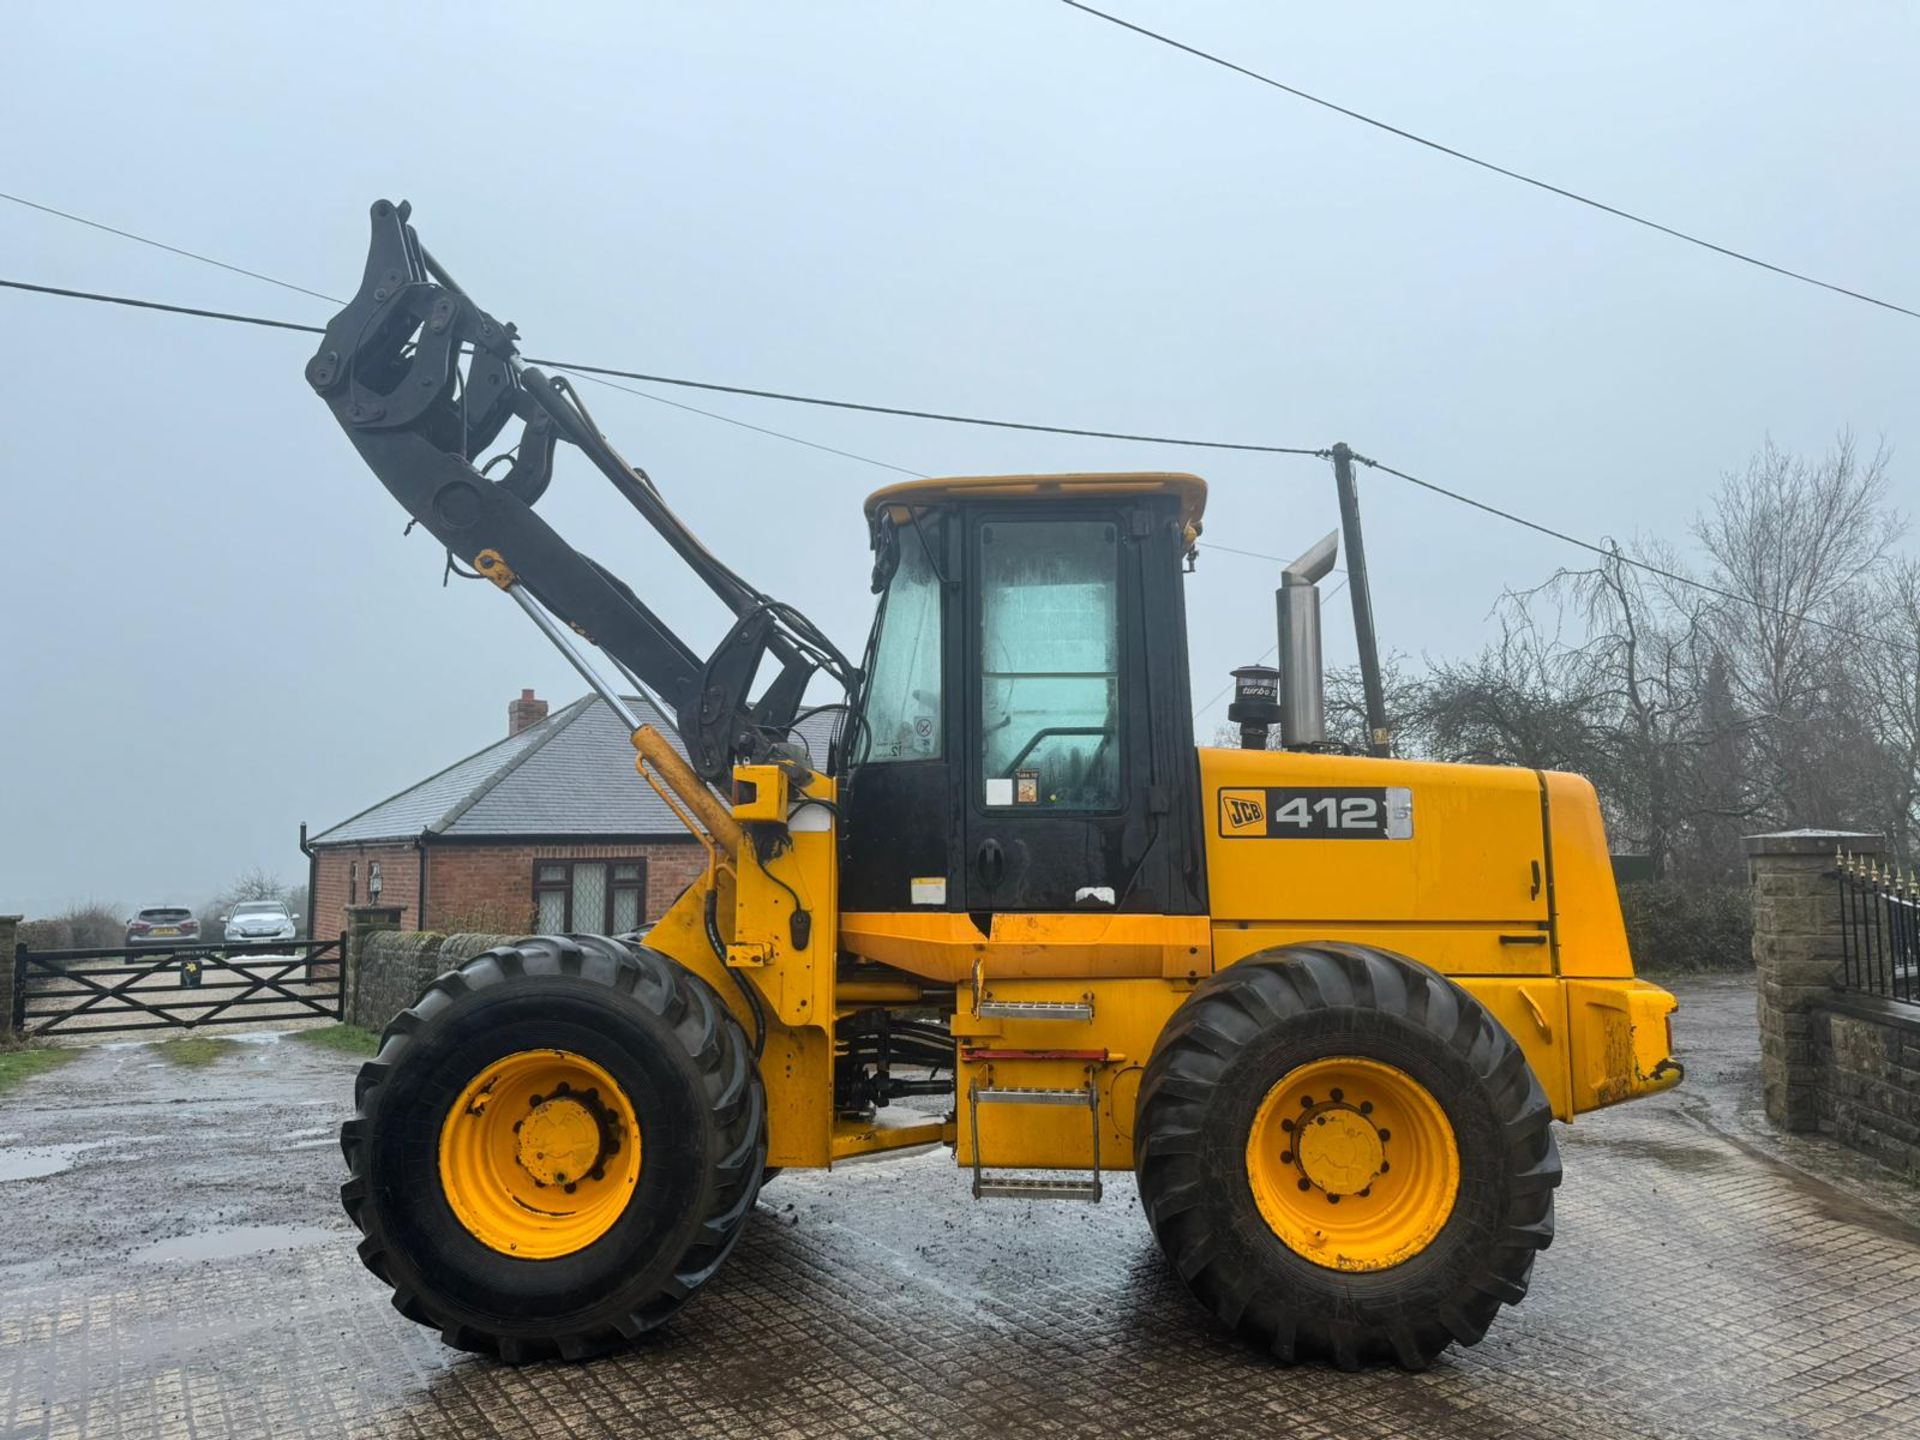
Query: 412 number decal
[[1340, 812]]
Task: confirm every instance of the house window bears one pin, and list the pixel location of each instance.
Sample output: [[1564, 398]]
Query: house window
[[593, 897]]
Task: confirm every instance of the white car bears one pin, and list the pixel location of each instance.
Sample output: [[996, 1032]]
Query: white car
[[253, 922]]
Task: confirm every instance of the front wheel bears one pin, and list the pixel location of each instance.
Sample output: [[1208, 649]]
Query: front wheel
[[1345, 1156], [556, 1146]]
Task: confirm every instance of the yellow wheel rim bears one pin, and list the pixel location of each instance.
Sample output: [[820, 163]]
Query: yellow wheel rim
[[540, 1154], [1353, 1163]]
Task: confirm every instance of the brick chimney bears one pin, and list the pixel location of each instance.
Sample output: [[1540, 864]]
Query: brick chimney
[[527, 710]]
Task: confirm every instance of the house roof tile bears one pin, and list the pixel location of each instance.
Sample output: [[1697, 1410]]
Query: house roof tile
[[572, 774]]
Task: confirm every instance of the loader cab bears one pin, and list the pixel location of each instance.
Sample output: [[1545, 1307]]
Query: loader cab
[[1024, 738]]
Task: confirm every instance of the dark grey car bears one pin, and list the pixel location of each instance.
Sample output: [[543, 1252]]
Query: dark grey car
[[160, 926]]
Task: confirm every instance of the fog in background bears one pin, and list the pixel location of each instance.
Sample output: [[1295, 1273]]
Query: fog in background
[[213, 628]]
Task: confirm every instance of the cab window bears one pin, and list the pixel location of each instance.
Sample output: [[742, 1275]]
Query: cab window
[[902, 711], [1049, 664]]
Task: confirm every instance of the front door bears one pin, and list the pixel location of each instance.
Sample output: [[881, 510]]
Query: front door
[[1055, 811]]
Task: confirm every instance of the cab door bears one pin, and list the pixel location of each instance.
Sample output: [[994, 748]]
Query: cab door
[[1057, 816]]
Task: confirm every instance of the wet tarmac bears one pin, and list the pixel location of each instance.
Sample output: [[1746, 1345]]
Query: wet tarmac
[[176, 1265]]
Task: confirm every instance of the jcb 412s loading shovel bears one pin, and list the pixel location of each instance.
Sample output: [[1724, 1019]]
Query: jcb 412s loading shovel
[[1325, 1006]]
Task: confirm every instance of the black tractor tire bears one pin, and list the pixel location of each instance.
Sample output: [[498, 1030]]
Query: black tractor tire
[[1231, 1042], [664, 1035]]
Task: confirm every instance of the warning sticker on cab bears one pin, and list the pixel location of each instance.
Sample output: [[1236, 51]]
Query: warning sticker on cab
[[1334, 812]]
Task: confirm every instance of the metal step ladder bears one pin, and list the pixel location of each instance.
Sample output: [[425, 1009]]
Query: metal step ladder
[[1022, 1187], [986, 1008], [1079, 1011]]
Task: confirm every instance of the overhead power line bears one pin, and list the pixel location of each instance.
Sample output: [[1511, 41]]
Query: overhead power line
[[1186, 442], [607, 371], [596, 371], [137, 304], [848, 454], [789, 397], [583, 373], [1524, 179], [742, 424], [1616, 554], [170, 249], [1266, 654]]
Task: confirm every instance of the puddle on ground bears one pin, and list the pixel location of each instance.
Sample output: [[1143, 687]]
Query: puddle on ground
[[36, 1162], [1669, 1154], [231, 1242]]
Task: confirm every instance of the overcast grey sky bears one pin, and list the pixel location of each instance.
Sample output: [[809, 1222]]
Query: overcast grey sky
[[212, 628]]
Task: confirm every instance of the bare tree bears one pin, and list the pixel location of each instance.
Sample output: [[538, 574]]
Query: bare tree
[[1890, 675], [1777, 686], [1797, 543], [89, 925], [1404, 693], [1346, 711], [1661, 677], [254, 884]]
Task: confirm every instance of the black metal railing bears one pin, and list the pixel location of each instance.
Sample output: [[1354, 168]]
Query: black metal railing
[[150, 987], [1879, 929]]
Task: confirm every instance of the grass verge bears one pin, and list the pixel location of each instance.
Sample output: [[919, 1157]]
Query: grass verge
[[196, 1051], [347, 1039], [17, 1063]]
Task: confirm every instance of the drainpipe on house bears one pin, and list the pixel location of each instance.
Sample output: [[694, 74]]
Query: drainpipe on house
[[420, 901], [313, 878]]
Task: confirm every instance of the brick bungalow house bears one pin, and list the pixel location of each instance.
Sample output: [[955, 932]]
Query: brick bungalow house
[[545, 831]]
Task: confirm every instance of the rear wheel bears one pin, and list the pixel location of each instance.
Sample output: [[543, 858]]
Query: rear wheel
[[1345, 1156], [556, 1146]]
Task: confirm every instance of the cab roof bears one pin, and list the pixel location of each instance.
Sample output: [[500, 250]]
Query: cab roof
[[1191, 490]]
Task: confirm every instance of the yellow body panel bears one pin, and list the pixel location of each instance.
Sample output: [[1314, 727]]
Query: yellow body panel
[[1593, 938], [1621, 1041], [1498, 878], [794, 983], [941, 945], [1534, 1012], [1458, 950], [859, 1137], [1128, 1016], [1476, 854]]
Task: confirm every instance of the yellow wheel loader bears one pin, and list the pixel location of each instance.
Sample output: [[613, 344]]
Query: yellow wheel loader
[[1324, 1005]]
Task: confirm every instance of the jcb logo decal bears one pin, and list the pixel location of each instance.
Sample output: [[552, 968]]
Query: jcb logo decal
[[1243, 812], [1326, 812]]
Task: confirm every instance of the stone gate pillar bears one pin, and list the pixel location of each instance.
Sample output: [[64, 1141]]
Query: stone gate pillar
[[1798, 955], [9, 936], [362, 921]]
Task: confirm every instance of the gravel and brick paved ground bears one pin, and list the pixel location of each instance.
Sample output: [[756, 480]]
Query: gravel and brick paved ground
[[175, 1264]]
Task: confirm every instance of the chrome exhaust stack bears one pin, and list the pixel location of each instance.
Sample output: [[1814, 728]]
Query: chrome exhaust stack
[[1303, 695]]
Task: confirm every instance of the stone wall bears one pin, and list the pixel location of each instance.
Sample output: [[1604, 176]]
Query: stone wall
[[1831, 1061], [1867, 1054], [9, 936], [392, 967]]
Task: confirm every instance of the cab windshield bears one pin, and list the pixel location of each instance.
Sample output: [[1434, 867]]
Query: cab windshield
[[902, 706]]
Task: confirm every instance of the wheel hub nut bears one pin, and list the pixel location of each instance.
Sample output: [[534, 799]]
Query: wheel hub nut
[[559, 1141], [1341, 1152]]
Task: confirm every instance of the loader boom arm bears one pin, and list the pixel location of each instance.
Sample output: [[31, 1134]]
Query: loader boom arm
[[423, 381]]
